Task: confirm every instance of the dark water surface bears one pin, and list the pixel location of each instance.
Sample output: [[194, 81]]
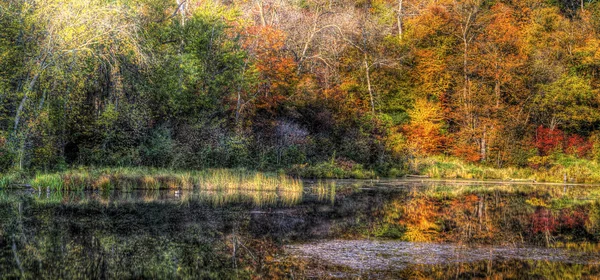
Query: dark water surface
[[331, 229]]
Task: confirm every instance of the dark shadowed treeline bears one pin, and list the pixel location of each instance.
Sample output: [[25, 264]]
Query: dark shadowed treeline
[[269, 84]]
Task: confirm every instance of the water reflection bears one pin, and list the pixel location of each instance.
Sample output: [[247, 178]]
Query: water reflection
[[243, 232]]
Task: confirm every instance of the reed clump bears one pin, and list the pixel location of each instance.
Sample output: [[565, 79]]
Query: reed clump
[[225, 179], [149, 178], [53, 182], [11, 179], [103, 182]]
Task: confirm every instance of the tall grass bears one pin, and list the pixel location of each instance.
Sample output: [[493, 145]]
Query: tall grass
[[48, 181], [149, 178], [11, 179], [225, 179]]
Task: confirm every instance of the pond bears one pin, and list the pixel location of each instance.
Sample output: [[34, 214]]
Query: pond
[[327, 229]]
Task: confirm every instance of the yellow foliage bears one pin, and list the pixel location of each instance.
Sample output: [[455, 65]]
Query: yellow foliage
[[425, 128]]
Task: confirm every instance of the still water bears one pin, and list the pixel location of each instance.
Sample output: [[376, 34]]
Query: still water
[[330, 229]]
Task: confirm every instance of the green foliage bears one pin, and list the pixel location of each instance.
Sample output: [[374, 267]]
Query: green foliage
[[6, 159], [339, 169], [569, 101], [143, 83], [389, 230], [159, 149]]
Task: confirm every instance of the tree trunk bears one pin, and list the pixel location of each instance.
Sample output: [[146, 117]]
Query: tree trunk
[[399, 19], [483, 145], [261, 13], [497, 91], [497, 84], [22, 104], [466, 75], [181, 6], [369, 84], [480, 211]]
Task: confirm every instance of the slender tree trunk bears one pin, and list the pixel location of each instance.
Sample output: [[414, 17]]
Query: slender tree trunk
[[480, 211], [306, 45], [466, 87], [21, 140], [497, 91], [261, 13], [466, 75], [19, 110], [181, 5], [497, 85], [16, 256], [238, 106], [22, 104], [368, 76], [483, 145], [399, 19]]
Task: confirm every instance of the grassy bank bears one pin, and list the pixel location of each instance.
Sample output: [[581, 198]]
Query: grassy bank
[[554, 169], [149, 178]]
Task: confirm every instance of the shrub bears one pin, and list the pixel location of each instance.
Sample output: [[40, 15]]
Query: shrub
[[6, 158], [548, 140], [158, 150]]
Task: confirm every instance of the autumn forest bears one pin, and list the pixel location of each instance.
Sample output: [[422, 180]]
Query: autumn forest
[[314, 88]]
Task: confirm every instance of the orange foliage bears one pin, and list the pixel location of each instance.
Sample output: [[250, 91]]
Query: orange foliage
[[501, 48], [466, 152], [419, 219], [276, 68]]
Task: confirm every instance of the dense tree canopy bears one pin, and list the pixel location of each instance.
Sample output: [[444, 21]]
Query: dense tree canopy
[[273, 84]]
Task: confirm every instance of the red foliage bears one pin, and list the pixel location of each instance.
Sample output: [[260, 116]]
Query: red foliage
[[571, 219], [578, 145], [547, 140], [543, 221]]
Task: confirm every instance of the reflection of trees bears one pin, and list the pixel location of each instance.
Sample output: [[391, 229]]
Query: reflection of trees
[[491, 215], [419, 219], [235, 234], [158, 240], [507, 269], [159, 234]]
